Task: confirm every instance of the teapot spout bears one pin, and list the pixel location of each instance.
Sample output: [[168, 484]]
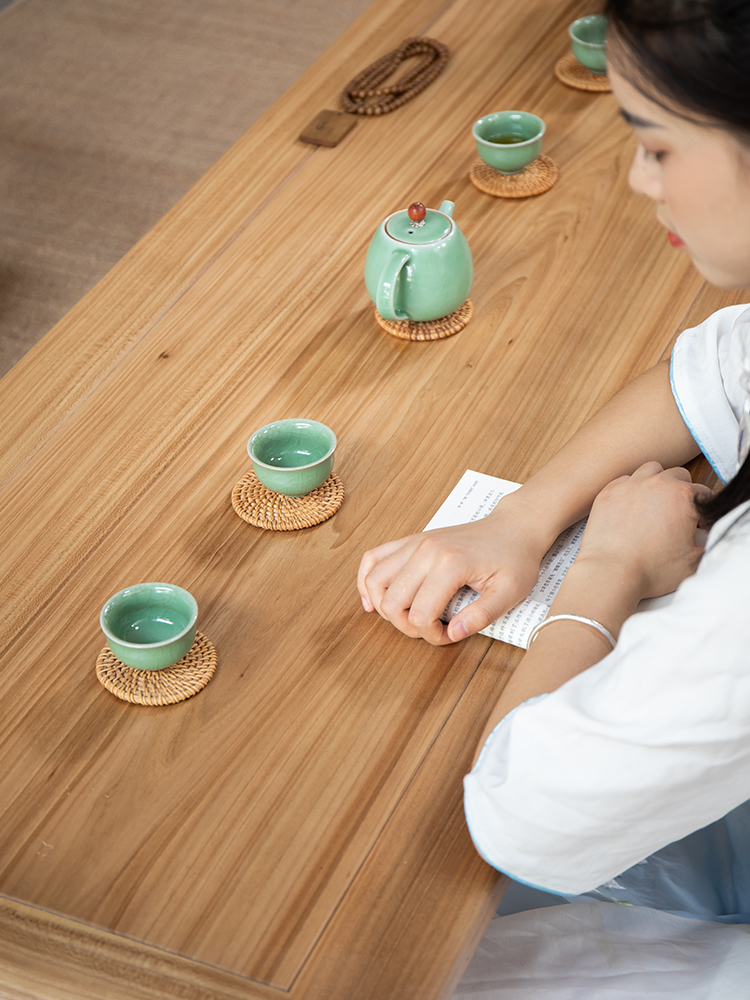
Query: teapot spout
[[446, 208]]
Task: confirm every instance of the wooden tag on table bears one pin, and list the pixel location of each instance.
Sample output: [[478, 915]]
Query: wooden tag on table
[[328, 128]]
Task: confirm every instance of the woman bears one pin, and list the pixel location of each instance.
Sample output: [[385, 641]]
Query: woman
[[625, 772]]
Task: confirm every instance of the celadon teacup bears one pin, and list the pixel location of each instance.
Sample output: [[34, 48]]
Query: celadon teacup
[[522, 134], [419, 271], [292, 456], [588, 40], [150, 626]]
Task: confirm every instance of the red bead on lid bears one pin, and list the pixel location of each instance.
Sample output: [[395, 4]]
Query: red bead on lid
[[417, 211]]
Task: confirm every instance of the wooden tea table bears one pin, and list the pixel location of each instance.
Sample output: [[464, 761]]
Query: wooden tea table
[[296, 829]]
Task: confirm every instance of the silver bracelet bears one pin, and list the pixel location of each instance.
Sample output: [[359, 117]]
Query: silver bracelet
[[573, 618]]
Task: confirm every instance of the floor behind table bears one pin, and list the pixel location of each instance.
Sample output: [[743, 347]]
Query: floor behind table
[[111, 112]]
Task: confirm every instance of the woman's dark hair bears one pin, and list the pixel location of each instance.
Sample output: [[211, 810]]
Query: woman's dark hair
[[692, 57]]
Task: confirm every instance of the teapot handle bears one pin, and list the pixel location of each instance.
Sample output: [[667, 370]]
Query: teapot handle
[[387, 286]]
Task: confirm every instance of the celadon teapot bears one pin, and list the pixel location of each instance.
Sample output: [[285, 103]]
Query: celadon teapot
[[419, 265]]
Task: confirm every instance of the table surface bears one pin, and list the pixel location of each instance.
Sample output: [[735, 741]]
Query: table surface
[[296, 829]]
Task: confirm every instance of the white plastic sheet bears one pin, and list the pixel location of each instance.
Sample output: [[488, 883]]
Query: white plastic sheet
[[608, 951]]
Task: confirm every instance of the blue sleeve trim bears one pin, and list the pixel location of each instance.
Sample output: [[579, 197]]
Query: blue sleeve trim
[[694, 435], [541, 888]]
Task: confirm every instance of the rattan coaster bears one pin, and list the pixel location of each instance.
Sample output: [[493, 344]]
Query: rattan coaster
[[570, 72], [432, 329], [159, 687], [538, 177], [260, 506]]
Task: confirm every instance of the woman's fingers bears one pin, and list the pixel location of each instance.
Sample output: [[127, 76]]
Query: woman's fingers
[[413, 593], [702, 491], [410, 581], [392, 575], [678, 472], [644, 527], [646, 470], [654, 470], [698, 490], [490, 606], [499, 589], [372, 577]]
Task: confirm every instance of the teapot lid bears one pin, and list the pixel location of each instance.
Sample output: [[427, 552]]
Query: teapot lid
[[418, 225]]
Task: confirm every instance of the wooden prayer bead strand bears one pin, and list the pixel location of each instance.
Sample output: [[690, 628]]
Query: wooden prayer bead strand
[[366, 87]]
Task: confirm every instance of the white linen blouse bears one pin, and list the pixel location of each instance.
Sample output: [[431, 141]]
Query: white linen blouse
[[651, 744]]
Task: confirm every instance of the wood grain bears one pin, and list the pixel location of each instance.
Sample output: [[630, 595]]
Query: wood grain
[[297, 826], [142, 287], [255, 312]]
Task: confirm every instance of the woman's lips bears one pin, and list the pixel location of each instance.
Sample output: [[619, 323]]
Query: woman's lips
[[675, 240]]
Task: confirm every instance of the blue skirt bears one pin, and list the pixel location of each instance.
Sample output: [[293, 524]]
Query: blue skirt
[[705, 875]]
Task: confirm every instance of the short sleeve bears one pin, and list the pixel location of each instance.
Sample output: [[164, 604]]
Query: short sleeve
[[706, 364], [647, 746]]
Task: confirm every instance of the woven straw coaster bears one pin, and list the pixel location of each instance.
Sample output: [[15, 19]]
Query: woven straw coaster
[[570, 72], [540, 175], [260, 506], [159, 687], [431, 329]]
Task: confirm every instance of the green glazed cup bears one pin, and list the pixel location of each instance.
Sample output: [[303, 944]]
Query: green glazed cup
[[419, 271], [150, 626], [292, 456], [523, 134], [588, 40]]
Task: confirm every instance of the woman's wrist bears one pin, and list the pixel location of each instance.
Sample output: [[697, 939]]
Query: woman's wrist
[[534, 516], [597, 589]]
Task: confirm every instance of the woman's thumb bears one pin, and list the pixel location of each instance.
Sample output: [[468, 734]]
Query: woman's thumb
[[478, 615]]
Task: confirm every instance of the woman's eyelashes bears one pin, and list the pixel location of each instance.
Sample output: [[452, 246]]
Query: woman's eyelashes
[[655, 154]]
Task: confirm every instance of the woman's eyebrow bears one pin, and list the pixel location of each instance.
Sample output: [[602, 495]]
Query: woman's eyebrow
[[635, 121]]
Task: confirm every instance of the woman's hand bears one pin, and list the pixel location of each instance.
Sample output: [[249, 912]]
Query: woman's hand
[[410, 581], [643, 527]]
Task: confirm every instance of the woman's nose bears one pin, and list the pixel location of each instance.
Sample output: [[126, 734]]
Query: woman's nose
[[645, 175]]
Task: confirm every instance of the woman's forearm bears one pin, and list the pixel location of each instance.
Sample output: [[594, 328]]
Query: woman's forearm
[[640, 423], [640, 541]]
